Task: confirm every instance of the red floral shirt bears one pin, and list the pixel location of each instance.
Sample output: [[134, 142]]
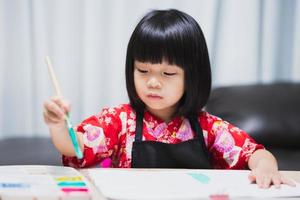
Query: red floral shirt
[[108, 138]]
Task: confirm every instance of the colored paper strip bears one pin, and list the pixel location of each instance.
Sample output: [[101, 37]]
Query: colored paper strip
[[71, 184], [74, 189], [69, 178]]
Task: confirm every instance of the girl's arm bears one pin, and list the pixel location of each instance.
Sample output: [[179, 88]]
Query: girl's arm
[[264, 170], [62, 141], [54, 115]]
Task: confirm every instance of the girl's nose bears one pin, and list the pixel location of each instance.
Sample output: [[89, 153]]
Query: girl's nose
[[153, 83]]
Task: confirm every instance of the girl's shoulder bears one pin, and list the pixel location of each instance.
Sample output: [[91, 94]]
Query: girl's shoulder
[[208, 117], [207, 120], [213, 123]]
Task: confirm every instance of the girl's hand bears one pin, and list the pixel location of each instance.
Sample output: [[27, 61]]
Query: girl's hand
[[266, 175], [55, 111]]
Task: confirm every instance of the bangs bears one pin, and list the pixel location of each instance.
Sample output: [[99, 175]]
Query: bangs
[[153, 47], [161, 41]]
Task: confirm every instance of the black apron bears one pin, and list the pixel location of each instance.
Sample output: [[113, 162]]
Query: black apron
[[191, 154]]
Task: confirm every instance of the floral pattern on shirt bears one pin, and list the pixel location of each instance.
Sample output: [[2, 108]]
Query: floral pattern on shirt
[[224, 142], [109, 135], [94, 138], [185, 131]]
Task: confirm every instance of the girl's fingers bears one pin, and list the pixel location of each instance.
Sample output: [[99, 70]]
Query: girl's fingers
[[263, 181], [64, 104], [67, 106], [276, 181], [288, 181], [54, 109], [53, 117], [266, 182], [259, 181], [50, 117], [252, 177]]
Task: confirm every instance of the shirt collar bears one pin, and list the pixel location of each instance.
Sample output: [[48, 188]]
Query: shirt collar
[[149, 117]]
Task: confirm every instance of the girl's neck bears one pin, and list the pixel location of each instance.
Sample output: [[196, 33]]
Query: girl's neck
[[165, 114]]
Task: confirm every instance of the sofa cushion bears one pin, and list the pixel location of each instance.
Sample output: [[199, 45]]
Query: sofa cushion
[[288, 159], [28, 151], [269, 113]]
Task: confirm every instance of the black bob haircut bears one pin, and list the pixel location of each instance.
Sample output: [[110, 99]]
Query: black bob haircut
[[175, 37]]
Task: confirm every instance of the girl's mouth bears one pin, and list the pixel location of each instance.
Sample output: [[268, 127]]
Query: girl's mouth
[[154, 96]]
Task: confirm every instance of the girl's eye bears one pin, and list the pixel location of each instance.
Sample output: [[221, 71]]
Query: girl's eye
[[169, 74], [142, 71]]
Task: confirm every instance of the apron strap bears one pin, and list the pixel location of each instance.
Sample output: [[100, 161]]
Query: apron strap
[[199, 133], [139, 127], [196, 127]]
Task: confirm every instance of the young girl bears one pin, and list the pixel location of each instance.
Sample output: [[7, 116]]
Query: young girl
[[168, 80]]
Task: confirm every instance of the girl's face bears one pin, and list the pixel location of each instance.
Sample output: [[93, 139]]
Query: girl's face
[[160, 86]]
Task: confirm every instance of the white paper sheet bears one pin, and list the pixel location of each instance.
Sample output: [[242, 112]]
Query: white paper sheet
[[125, 184]]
